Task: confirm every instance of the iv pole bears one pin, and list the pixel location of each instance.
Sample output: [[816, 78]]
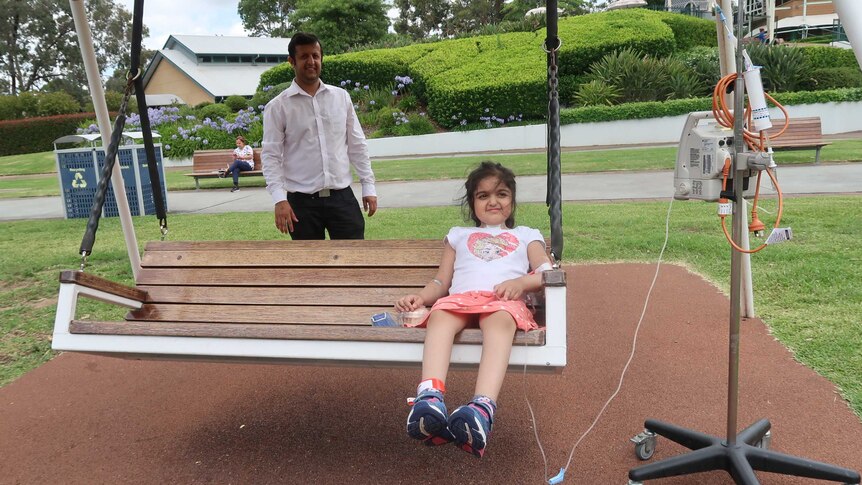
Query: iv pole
[[741, 453]]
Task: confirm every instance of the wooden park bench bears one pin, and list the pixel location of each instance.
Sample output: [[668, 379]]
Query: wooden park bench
[[284, 301], [801, 134], [207, 163]]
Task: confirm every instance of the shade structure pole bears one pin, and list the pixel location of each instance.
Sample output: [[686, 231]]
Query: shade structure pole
[[97, 93], [850, 13]]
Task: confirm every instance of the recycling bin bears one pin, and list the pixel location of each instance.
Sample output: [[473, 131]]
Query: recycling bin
[[79, 169]]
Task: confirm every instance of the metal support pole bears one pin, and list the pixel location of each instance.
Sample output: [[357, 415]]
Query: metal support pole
[[850, 13], [728, 65], [97, 92], [736, 256]]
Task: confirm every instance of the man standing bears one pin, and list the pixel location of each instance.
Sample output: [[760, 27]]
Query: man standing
[[311, 137]]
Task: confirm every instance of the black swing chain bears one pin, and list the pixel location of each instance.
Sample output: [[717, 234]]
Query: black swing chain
[[133, 83], [554, 195], [101, 191]]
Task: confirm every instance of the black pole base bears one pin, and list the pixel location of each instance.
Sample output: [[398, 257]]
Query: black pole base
[[739, 460]]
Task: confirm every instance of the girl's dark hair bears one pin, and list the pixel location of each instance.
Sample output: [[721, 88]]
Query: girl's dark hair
[[242, 139], [487, 169], [302, 38]]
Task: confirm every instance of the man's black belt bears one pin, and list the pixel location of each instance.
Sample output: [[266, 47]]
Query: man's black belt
[[319, 195]]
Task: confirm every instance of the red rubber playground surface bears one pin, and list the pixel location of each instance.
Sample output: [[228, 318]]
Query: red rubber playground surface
[[87, 419]]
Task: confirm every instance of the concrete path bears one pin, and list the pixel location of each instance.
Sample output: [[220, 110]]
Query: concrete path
[[795, 180]]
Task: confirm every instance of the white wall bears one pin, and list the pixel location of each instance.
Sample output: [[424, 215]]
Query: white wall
[[835, 117]]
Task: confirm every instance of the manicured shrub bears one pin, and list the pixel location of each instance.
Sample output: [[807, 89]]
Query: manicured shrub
[[31, 135], [214, 111], [688, 31], [10, 107], [676, 107], [265, 95], [506, 73], [56, 103], [631, 111], [236, 102], [825, 96], [836, 77], [825, 56]]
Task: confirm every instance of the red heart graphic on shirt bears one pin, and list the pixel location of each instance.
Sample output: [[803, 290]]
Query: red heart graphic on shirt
[[488, 248]]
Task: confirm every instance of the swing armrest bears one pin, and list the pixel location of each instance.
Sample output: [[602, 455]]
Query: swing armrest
[[97, 283], [554, 277]]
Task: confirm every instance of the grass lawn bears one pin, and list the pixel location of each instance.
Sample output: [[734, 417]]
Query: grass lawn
[[808, 291], [31, 163], [580, 161]]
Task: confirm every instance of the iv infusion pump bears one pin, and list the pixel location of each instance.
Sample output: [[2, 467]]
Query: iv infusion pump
[[703, 148]]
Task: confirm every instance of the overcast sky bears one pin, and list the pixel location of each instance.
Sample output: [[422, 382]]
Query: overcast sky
[[189, 17]]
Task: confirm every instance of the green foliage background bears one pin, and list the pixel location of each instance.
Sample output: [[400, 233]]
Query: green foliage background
[[502, 75]]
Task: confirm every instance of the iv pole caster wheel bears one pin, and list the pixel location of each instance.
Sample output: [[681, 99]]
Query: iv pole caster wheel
[[644, 445], [632, 482], [764, 442]]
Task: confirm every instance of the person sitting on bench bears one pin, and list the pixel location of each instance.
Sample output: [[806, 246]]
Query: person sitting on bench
[[243, 162], [483, 277]]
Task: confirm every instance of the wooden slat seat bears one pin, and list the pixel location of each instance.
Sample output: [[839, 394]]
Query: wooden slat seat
[[207, 163], [801, 134], [275, 291]]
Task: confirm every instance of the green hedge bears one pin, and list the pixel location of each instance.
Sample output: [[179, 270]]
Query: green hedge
[[690, 31], [374, 67], [676, 107], [826, 96], [32, 135], [459, 79], [819, 57]]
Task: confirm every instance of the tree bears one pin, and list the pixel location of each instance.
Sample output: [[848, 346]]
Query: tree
[[117, 81], [39, 44], [421, 18], [516, 9], [263, 18], [341, 24], [469, 15]]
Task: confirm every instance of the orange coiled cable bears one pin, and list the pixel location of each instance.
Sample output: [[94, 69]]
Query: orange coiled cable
[[756, 141]]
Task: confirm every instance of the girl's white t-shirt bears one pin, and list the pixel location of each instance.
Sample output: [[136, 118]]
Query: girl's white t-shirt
[[245, 151], [487, 256]]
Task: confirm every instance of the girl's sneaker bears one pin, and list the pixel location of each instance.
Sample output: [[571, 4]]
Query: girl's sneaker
[[471, 425], [427, 420]]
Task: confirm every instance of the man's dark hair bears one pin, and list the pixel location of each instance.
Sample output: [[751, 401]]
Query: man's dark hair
[[302, 38]]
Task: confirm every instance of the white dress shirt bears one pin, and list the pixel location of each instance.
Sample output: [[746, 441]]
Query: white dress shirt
[[310, 142]]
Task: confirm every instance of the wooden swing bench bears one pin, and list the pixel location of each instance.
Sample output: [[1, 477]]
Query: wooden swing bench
[[207, 163], [283, 301]]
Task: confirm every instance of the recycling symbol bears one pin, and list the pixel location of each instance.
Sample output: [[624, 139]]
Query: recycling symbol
[[79, 182]]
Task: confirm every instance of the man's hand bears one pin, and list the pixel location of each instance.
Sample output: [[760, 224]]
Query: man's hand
[[369, 204], [284, 217]]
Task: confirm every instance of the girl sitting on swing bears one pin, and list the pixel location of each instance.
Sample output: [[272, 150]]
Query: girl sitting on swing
[[483, 278]]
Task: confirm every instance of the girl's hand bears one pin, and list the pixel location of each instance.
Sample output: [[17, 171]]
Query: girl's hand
[[509, 290], [409, 303]]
